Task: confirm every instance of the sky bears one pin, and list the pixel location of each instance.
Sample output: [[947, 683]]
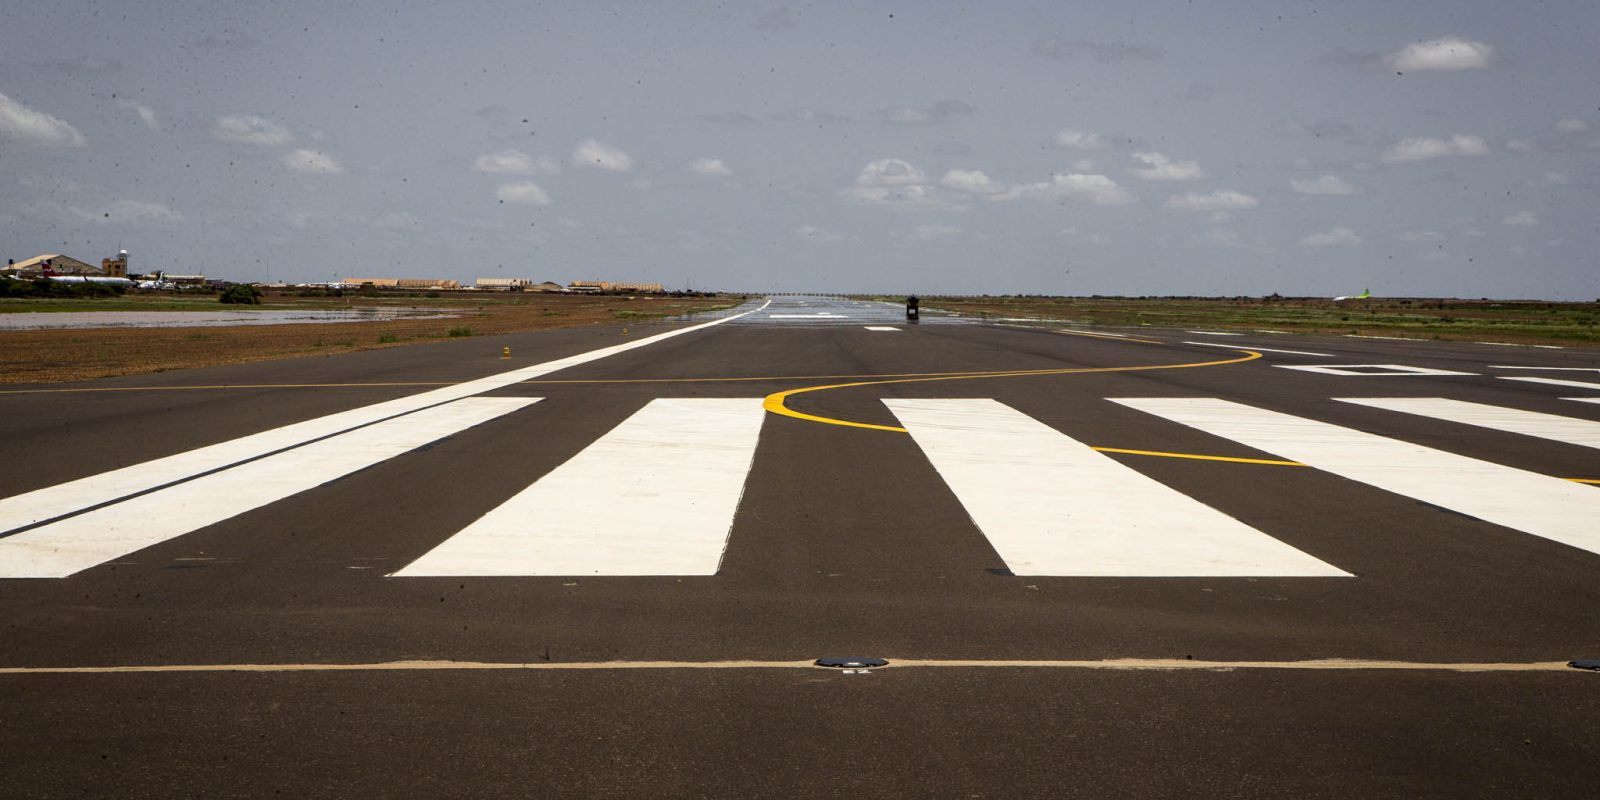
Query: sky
[[1152, 148]]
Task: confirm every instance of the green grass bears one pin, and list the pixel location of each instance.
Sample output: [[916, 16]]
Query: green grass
[[1520, 321], [459, 330], [16, 305]]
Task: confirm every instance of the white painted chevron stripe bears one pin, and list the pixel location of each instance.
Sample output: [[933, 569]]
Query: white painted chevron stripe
[[1582, 432], [655, 496], [73, 496], [61, 548], [1051, 505], [1553, 508]]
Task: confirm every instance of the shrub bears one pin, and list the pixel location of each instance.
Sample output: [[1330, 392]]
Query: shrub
[[241, 294], [459, 330]]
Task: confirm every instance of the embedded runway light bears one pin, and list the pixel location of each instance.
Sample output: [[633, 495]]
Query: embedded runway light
[[850, 662]]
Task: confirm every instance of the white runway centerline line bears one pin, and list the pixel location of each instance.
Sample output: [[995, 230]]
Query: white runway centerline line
[[1553, 382], [1050, 505], [74, 496], [1262, 349], [883, 328], [1555, 509], [654, 496], [62, 548], [1369, 370], [1512, 420]]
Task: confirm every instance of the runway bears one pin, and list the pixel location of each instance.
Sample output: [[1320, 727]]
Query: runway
[[1101, 562]]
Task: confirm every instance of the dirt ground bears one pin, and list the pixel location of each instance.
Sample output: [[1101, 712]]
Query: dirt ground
[[53, 356]]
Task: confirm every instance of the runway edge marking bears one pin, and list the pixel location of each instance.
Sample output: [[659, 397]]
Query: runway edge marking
[[895, 663], [78, 495]]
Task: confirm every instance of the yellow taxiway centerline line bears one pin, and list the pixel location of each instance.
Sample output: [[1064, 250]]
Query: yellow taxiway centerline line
[[1198, 457], [768, 403], [776, 402]]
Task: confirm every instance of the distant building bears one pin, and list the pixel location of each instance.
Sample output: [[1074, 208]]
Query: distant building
[[400, 283], [53, 264], [115, 267], [598, 287], [503, 284], [548, 286]]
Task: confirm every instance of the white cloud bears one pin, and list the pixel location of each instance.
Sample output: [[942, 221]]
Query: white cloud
[[1422, 236], [925, 115], [138, 211], [147, 115], [1522, 218], [893, 182], [251, 130], [1073, 189], [590, 153], [21, 124], [1079, 140], [1326, 185], [120, 211], [523, 192], [1572, 126], [55, 184], [928, 233], [1158, 167], [710, 167], [973, 181], [1222, 200], [1338, 237], [1419, 149], [515, 162], [1444, 53], [312, 162], [890, 172]]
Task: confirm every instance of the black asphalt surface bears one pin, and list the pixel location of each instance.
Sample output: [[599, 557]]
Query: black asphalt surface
[[846, 542]]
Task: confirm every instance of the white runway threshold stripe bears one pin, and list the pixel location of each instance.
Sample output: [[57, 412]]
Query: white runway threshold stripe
[[654, 496], [1554, 382], [73, 496], [1552, 508], [1051, 505], [1582, 432], [71, 545]]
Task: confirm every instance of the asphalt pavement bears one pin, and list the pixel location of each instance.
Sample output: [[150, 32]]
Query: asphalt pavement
[[1100, 562]]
